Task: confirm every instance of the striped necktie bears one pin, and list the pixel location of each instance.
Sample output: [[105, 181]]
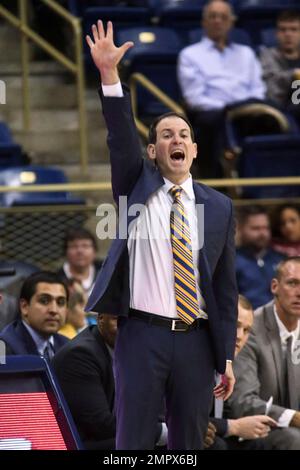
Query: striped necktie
[[184, 275], [48, 351]]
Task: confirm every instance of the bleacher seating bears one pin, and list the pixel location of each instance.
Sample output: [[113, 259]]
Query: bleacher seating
[[154, 55], [268, 144], [256, 15], [267, 156], [22, 176]]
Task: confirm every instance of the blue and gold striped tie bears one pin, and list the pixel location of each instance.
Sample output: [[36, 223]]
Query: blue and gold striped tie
[[184, 274]]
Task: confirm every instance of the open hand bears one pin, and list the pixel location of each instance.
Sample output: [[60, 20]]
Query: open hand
[[106, 55]]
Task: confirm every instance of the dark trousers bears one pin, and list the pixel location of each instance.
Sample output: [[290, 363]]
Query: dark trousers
[[153, 364]]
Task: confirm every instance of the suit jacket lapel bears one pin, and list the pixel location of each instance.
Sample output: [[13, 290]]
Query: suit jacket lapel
[[28, 344], [297, 372], [274, 338]]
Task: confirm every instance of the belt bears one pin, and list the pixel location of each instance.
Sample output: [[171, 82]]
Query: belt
[[170, 323]]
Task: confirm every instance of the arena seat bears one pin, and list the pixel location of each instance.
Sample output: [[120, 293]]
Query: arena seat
[[22, 176]]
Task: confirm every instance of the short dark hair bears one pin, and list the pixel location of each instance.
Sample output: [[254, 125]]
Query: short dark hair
[[79, 233], [288, 15], [152, 136], [244, 302], [247, 211], [280, 266], [29, 285]]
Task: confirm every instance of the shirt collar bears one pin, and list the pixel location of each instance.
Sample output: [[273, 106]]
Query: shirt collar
[[187, 187], [210, 44], [86, 283], [39, 340], [283, 332]]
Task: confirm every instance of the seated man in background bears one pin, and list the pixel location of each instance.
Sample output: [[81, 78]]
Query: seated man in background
[[213, 74], [43, 306], [84, 368], [268, 369], [281, 64], [80, 249], [255, 259], [250, 428]]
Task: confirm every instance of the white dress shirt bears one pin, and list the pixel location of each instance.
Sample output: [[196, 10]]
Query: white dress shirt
[[39, 340], [287, 415], [88, 283], [151, 271], [151, 257], [210, 78]]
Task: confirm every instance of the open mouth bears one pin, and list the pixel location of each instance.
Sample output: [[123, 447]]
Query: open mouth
[[177, 155]]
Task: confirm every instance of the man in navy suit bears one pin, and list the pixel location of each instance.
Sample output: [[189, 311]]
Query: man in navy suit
[[167, 348], [43, 306]]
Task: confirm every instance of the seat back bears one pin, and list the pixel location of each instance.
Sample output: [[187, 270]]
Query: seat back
[[31, 175], [155, 56], [270, 156]]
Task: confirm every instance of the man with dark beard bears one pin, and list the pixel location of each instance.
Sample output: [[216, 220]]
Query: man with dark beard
[[255, 261]]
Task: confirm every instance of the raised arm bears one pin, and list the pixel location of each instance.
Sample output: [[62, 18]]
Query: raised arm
[[123, 139], [106, 55]]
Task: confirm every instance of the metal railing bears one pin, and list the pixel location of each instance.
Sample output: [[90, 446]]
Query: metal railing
[[35, 234], [216, 183], [140, 79], [75, 67]]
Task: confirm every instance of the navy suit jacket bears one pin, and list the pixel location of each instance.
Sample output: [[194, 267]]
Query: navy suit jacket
[[85, 373], [19, 341], [136, 178]]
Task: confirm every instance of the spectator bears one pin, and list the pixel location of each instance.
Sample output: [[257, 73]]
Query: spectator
[[85, 373], [281, 64], [76, 319], [43, 305], [8, 309], [268, 370], [286, 230], [250, 428], [215, 73], [255, 260], [81, 265], [8, 304]]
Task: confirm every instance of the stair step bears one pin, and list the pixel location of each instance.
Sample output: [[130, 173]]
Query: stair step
[[47, 96]]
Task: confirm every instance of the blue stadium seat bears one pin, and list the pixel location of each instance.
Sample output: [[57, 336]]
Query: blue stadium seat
[[22, 176], [154, 55], [267, 156], [266, 143], [268, 37], [10, 152], [181, 14], [237, 35], [122, 17]]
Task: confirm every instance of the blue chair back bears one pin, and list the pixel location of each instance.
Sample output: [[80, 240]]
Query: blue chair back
[[22, 176]]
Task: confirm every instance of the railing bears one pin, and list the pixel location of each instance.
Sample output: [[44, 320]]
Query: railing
[[138, 78], [35, 234], [75, 67], [216, 183]]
